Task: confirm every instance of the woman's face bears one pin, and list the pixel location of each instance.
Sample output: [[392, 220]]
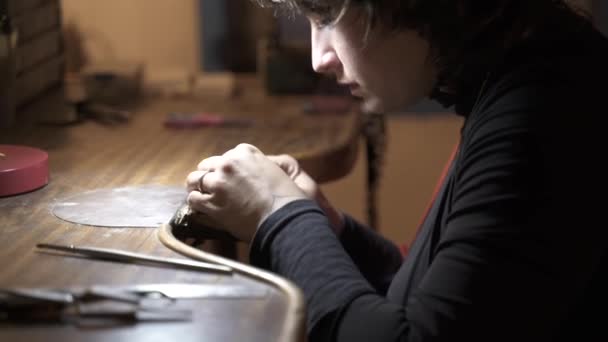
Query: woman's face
[[390, 71]]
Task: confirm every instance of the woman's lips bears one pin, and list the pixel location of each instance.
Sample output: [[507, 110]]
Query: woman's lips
[[355, 89]]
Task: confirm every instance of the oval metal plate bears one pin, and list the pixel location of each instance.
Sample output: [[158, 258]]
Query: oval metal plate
[[145, 206]]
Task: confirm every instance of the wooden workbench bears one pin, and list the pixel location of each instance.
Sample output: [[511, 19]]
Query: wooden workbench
[[90, 156]]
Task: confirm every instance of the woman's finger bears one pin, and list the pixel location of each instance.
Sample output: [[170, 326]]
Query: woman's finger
[[210, 163], [206, 182], [201, 202], [287, 163], [193, 178]]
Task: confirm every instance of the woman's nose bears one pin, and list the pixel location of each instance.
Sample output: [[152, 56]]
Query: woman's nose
[[325, 62], [324, 57]]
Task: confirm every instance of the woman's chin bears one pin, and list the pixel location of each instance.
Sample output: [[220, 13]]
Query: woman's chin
[[378, 105], [371, 105]]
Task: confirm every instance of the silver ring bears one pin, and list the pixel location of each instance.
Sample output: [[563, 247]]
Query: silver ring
[[200, 182]]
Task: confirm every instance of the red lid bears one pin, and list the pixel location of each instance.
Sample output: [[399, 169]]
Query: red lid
[[22, 169]]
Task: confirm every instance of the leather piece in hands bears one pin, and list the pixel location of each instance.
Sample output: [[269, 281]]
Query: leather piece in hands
[[188, 224]]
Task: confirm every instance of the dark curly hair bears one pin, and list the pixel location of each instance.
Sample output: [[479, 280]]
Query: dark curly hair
[[465, 35]]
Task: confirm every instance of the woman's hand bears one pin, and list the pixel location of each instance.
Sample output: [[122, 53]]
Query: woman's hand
[[292, 168], [239, 190]]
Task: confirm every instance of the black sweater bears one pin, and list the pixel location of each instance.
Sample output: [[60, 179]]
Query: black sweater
[[512, 249]]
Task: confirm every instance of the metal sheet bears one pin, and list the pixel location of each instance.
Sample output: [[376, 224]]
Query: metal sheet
[[145, 206]]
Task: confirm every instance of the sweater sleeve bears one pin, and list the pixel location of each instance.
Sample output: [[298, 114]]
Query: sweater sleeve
[[376, 257], [297, 242]]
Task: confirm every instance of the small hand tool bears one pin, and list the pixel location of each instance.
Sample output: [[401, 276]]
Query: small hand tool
[[86, 306], [131, 257]]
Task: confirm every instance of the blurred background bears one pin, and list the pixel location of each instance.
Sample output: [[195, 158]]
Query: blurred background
[[118, 50]]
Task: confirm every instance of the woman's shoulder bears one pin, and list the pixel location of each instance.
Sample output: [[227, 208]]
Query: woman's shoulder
[[548, 110], [551, 81]]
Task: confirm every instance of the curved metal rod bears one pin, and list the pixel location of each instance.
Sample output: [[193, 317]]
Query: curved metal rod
[[294, 328]]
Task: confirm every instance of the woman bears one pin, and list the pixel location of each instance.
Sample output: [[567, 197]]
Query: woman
[[511, 249]]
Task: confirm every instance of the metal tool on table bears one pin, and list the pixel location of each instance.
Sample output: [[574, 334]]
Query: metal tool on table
[[198, 291], [86, 307], [114, 304], [131, 257]]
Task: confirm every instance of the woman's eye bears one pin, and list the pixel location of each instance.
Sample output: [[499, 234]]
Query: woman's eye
[[323, 23]]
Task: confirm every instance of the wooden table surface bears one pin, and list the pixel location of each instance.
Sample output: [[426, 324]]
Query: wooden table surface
[[90, 156]]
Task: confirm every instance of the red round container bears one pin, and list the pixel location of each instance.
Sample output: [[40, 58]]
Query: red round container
[[22, 169]]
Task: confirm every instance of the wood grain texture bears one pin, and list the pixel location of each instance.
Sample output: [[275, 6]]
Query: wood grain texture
[[90, 156]]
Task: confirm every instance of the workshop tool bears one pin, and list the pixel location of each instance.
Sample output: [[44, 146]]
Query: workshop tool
[[131, 257], [194, 291], [86, 306]]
